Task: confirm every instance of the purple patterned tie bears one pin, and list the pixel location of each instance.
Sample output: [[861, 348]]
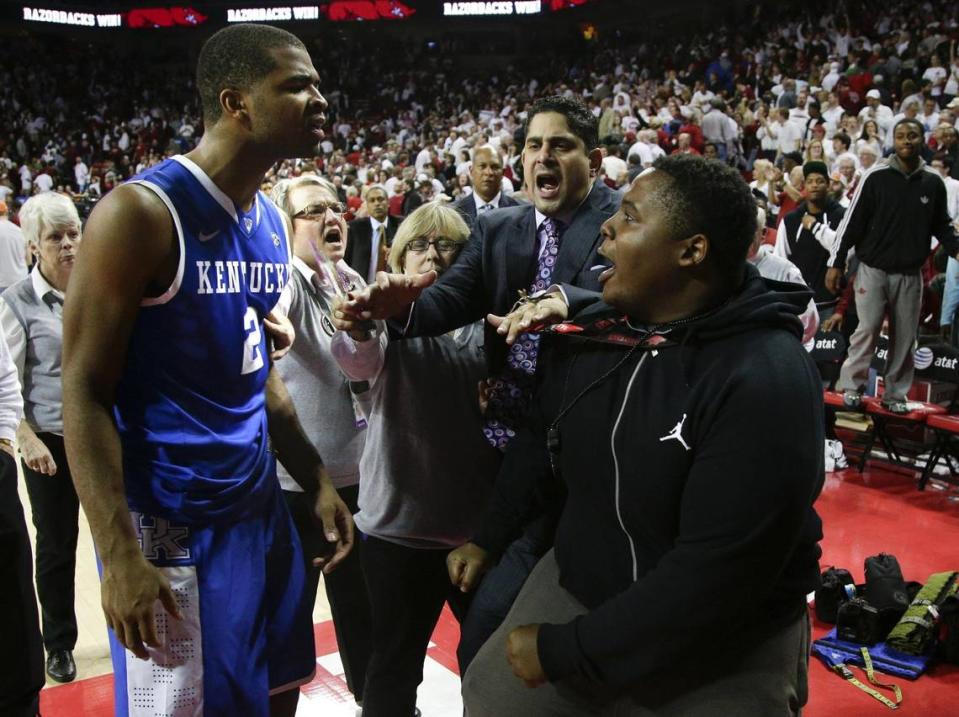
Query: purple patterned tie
[[511, 392]]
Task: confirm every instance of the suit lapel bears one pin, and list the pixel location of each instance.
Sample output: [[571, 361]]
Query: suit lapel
[[520, 248], [580, 240]]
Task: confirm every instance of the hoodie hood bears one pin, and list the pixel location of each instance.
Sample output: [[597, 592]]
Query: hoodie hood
[[759, 303]]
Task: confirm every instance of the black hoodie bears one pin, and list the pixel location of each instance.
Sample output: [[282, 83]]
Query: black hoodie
[[690, 473]]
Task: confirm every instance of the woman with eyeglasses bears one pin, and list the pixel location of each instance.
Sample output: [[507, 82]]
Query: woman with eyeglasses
[[426, 470], [328, 405]]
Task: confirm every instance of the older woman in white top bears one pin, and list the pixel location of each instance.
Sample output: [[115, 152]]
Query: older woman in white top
[[329, 406], [31, 312]]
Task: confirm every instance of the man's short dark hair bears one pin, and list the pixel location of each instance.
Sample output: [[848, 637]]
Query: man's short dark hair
[[944, 158], [906, 120], [844, 138], [710, 198], [236, 57], [581, 121]]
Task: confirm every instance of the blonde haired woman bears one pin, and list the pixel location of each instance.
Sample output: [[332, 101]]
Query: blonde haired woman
[[815, 151], [426, 470]]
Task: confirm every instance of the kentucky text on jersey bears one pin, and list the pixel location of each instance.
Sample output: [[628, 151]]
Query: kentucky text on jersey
[[232, 277], [191, 405]]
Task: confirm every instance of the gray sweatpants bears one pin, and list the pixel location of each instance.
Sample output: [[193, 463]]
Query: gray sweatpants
[[875, 291], [765, 677]]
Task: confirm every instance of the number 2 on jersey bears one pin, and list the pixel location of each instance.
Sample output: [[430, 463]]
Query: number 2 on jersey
[[252, 356]]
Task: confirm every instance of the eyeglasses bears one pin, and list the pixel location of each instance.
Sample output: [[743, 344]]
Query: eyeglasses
[[317, 212], [443, 245]]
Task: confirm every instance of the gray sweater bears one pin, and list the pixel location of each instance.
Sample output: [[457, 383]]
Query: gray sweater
[[427, 471]]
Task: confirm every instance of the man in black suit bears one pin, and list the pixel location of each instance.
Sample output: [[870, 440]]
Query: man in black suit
[[551, 243], [486, 178], [370, 236], [503, 254]]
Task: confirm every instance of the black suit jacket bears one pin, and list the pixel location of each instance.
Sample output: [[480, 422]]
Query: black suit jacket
[[360, 240], [467, 206], [500, 259]]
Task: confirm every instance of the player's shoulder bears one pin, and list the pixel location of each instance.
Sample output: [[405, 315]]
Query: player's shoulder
[[132, 203]]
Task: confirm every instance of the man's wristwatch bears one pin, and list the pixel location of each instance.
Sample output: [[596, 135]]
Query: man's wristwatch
[[6, 443]]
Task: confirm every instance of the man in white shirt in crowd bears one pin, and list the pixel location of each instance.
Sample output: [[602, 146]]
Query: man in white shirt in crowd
[[908, 110], [613, 165], [43, 182], [423, 160], [26, 180], [875, 110], [800, 113], [830, 79], [81, 173], [936, 74], [789, 134], [929, 116], [647, 147], [832, 113]]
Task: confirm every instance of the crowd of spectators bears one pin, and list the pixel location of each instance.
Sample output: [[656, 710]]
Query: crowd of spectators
[[817, 81], [801, 100], [765, 93]]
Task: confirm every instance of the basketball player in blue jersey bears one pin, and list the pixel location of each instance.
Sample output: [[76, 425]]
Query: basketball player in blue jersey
[[170, 401]]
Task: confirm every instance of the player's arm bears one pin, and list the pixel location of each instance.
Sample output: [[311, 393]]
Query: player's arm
[[129, 247], [301, 459]]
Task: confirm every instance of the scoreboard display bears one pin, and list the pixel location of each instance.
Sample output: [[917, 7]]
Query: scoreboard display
[[218, 14]]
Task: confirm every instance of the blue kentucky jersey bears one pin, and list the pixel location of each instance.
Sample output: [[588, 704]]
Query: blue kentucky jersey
[[191, 405]]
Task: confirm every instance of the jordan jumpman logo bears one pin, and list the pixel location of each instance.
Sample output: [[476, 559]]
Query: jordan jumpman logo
[[677, 433]]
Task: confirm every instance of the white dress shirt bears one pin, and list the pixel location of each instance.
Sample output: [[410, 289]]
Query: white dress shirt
[[482, 206]]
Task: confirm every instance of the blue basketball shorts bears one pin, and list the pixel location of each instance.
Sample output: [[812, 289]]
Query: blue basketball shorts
[[247, 631]]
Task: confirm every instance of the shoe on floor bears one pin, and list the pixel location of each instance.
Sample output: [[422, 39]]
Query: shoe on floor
[[898, 407], [60, 666], [852, 399]]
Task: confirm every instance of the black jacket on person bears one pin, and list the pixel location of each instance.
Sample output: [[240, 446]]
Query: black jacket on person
[[690, 475], [500, 259], [806, 251], [893, 216], [360, 243]]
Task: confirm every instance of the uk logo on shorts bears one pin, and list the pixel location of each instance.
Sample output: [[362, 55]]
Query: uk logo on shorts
[[161, 541]]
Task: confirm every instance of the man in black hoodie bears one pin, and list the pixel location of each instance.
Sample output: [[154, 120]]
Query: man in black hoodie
[[686, 426]]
